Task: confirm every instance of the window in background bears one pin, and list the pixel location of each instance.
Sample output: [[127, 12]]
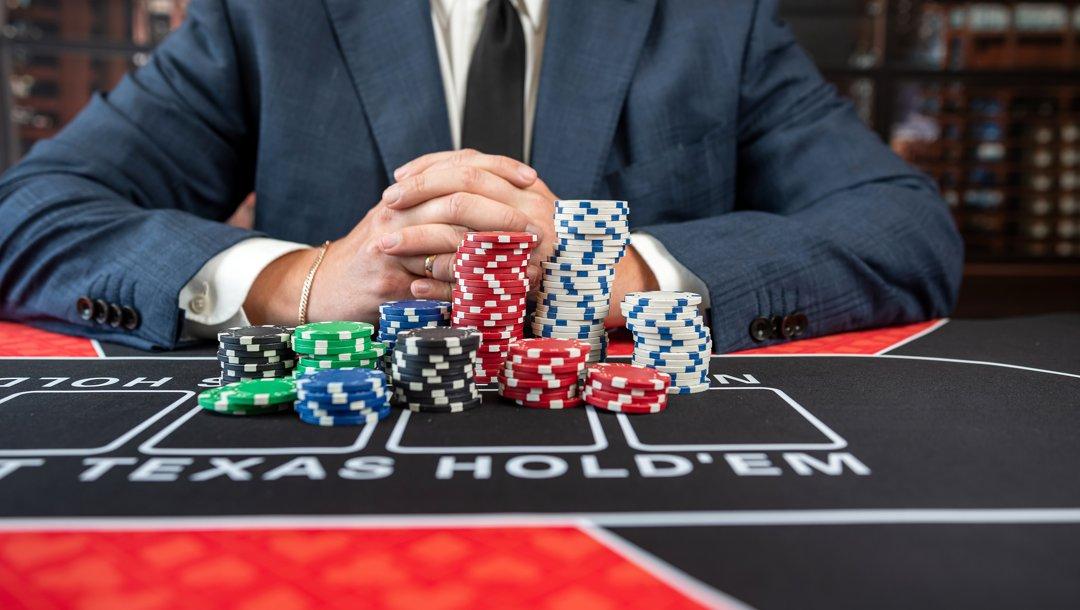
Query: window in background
[[55, 53], [984, 97]]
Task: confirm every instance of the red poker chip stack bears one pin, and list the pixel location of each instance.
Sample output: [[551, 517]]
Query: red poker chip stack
[[490, 286], [626, 388], [544, 373]]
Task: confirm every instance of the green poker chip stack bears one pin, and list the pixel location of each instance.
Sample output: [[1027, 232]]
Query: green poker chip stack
[[250, 397], [336, 345]]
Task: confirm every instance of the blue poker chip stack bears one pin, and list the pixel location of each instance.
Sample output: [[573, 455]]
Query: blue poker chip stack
[[575, 295], [670, 336], [342, 397], [398, 316]]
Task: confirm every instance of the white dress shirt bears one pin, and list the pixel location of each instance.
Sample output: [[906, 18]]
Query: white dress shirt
[[214, 298]]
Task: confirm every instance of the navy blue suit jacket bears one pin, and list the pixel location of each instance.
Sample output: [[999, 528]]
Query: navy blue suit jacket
[[705, 115]]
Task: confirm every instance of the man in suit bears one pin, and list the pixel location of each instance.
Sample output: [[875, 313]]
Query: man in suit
[[358, 122]]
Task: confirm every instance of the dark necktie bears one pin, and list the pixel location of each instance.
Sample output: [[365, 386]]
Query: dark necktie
[[494, 117]]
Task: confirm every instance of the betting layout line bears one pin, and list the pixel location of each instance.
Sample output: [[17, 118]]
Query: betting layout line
[[922, 333], [900, 357], [720, 518], [675, 578]]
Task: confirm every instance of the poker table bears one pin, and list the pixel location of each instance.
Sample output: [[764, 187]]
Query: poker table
[[925, 466]]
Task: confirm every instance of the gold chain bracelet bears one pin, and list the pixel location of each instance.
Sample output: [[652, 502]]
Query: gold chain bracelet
[[306, 292]]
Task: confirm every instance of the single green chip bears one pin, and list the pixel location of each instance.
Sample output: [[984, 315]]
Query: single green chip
[[211, 398], [343, 357], [341, 330], [327, 363], [259, 392], [251, 410], [307, 370], [359, 349]]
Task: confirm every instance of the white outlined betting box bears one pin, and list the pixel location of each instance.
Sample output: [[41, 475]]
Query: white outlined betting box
[[168, 404], [833, 441], [151, 446], [599, 441]]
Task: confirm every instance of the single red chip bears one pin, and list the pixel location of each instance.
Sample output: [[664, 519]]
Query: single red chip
[[540, 384], [509, 238], [470, 307], [489, 253], [489, 314], [619, 375], [485, 325], [521, 284], [552, 403], [511, 370], [543, 347], [485, 269], [555, 369], [490, 277], [657, 396], [487, 246], [492, 256], [550, 360], [496, 332], [622, 407], [468, 296], [596, 384], [535, 394]]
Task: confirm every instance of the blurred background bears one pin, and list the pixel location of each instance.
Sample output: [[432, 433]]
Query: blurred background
[[983, 96]]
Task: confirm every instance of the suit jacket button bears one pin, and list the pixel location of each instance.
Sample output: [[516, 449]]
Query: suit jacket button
[[101, 311], [85, 308], [777, 323], [787, 327], [799, 322], [129, 318], [760, 329], [114, 315]]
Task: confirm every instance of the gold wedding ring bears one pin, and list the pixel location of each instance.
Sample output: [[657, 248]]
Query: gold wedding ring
[[429, 265]]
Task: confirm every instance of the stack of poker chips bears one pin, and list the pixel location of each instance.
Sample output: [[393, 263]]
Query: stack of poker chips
[[342, 397], [544, 373], [433, 369], [591, 236], [255, 352], [250, 397], [397, 316], [336, 345], [625, 388], [490, 287], [670, 336]]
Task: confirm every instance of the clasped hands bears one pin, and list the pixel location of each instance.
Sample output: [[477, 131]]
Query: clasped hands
[[437, 198]]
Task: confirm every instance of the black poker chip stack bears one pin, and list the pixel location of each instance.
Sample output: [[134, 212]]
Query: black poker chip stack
[[433, 369], [255, 352]]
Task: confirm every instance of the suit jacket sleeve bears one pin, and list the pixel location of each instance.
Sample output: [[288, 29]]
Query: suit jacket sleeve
[[830, 222], [125, 203]]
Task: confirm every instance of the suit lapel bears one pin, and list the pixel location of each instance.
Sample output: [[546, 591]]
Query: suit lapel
[[389, 48], [590, 52]]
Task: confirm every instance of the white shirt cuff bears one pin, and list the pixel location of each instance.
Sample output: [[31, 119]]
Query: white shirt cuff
[[670, 273], [214, 298]]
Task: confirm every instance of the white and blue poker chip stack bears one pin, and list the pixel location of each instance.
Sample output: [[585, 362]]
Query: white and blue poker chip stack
[[575, 295], [342, 397], [398, 316], [670, 336]]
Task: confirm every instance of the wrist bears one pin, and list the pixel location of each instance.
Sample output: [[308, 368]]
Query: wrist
[[275, 293], [632, 274]]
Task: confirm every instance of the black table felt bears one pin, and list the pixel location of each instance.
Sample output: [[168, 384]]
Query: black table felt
[[942, 475]]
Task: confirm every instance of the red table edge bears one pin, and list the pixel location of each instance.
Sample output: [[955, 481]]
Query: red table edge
[[24, 341]]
